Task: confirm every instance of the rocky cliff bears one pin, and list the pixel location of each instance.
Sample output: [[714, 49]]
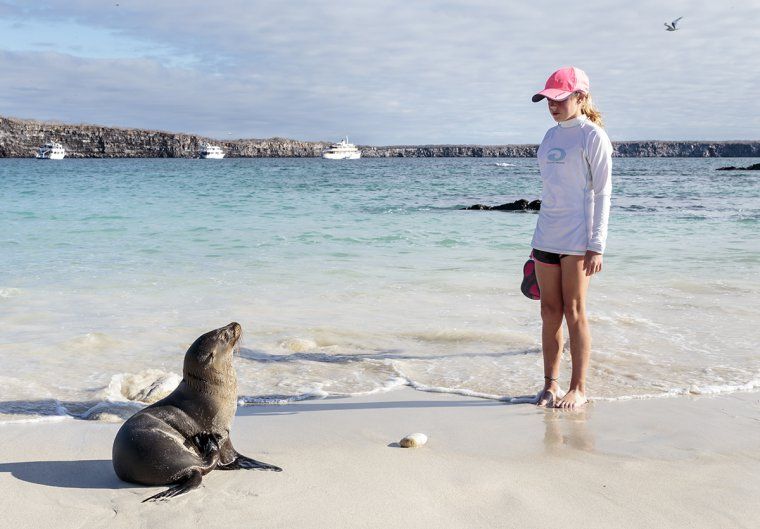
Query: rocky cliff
[[688, 149], [450, 151], [21, 138], [626, 149]]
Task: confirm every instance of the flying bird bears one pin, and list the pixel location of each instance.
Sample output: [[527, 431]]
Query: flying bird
[[672, 25]]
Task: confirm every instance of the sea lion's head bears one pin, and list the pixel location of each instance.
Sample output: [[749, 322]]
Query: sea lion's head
[[209, 359]]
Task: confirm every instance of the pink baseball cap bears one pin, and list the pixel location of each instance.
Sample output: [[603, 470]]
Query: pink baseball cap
[[562, 83]]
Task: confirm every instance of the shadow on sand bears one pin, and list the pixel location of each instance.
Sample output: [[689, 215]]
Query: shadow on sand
[[85, 474], [344, 403]]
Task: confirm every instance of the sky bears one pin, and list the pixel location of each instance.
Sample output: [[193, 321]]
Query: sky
[[382, 72]]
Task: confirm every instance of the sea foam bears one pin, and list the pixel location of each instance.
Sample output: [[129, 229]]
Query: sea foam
[[147, 386], [7, 292]]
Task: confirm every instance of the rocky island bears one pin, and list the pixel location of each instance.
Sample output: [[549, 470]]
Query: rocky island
[[20, 138]]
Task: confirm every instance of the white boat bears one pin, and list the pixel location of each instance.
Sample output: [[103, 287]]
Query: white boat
[[342, 151], [51, 151], [211, 151]]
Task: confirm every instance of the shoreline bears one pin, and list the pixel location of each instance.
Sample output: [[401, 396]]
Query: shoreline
[[686, 462], [113, 409]]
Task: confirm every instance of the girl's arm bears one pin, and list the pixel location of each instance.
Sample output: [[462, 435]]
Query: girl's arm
[[599, 158]]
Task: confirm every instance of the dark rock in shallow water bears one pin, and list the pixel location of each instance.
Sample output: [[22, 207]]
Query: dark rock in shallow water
[[753, 167], [517, 205]]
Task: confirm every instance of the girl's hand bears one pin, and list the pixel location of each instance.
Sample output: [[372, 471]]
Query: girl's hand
[[592, 262]]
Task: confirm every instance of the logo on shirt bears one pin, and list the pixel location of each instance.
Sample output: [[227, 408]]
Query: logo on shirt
[[556, 155]]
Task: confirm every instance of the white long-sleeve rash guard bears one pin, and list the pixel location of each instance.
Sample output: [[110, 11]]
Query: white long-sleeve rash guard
[[575, 159]]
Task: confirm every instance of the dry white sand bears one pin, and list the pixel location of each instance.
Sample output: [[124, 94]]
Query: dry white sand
[[680, 462]]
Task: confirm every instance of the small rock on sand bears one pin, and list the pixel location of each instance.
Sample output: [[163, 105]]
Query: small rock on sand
[[413, 440]]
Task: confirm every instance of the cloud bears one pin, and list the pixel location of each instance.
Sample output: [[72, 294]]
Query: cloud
[[394, 72]]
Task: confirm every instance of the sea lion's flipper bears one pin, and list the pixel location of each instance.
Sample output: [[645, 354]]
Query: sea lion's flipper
[[192, 480], [208, 446], [231, 459], [246, 463]]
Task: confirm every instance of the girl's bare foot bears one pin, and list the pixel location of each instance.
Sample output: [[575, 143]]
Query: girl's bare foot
[[548, 396], [573, 399]]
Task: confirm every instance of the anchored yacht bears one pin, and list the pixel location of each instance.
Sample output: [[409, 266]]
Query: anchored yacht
[[51, 151], [342, 151], [211, 151]]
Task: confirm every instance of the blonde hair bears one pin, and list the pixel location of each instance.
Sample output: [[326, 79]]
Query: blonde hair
[[590, 111]]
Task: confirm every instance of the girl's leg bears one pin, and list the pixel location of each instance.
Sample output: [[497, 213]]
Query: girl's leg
[[550, 283], [574, 286]]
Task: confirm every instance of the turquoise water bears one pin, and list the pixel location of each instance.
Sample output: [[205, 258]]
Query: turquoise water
[[359, 276]]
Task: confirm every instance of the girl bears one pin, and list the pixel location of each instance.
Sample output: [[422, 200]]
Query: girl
[[575, 159]]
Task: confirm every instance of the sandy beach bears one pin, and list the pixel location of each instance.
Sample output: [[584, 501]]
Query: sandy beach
[[673, 462]]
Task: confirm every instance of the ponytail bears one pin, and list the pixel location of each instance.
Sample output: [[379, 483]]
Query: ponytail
[[590, 111]]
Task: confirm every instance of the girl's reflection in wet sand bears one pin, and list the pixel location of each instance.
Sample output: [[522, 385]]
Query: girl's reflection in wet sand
[[568, 430]]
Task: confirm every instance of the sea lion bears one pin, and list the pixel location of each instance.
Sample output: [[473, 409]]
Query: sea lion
[[179, 439]]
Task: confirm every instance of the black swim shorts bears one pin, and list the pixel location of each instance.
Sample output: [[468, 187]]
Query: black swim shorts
[[548, 257]]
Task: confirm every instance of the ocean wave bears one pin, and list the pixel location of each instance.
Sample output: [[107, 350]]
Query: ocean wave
[[128, 393], [457, 336], [623, 319], [91, 341], [42, 407], [317, 392], [125, 394], [753, 385], [692, 390], [38, 419], [456, 391], [111, 411], [8, 292], [299, 345], [279, 400], [390, 384], [147, 387], [408, 381]]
